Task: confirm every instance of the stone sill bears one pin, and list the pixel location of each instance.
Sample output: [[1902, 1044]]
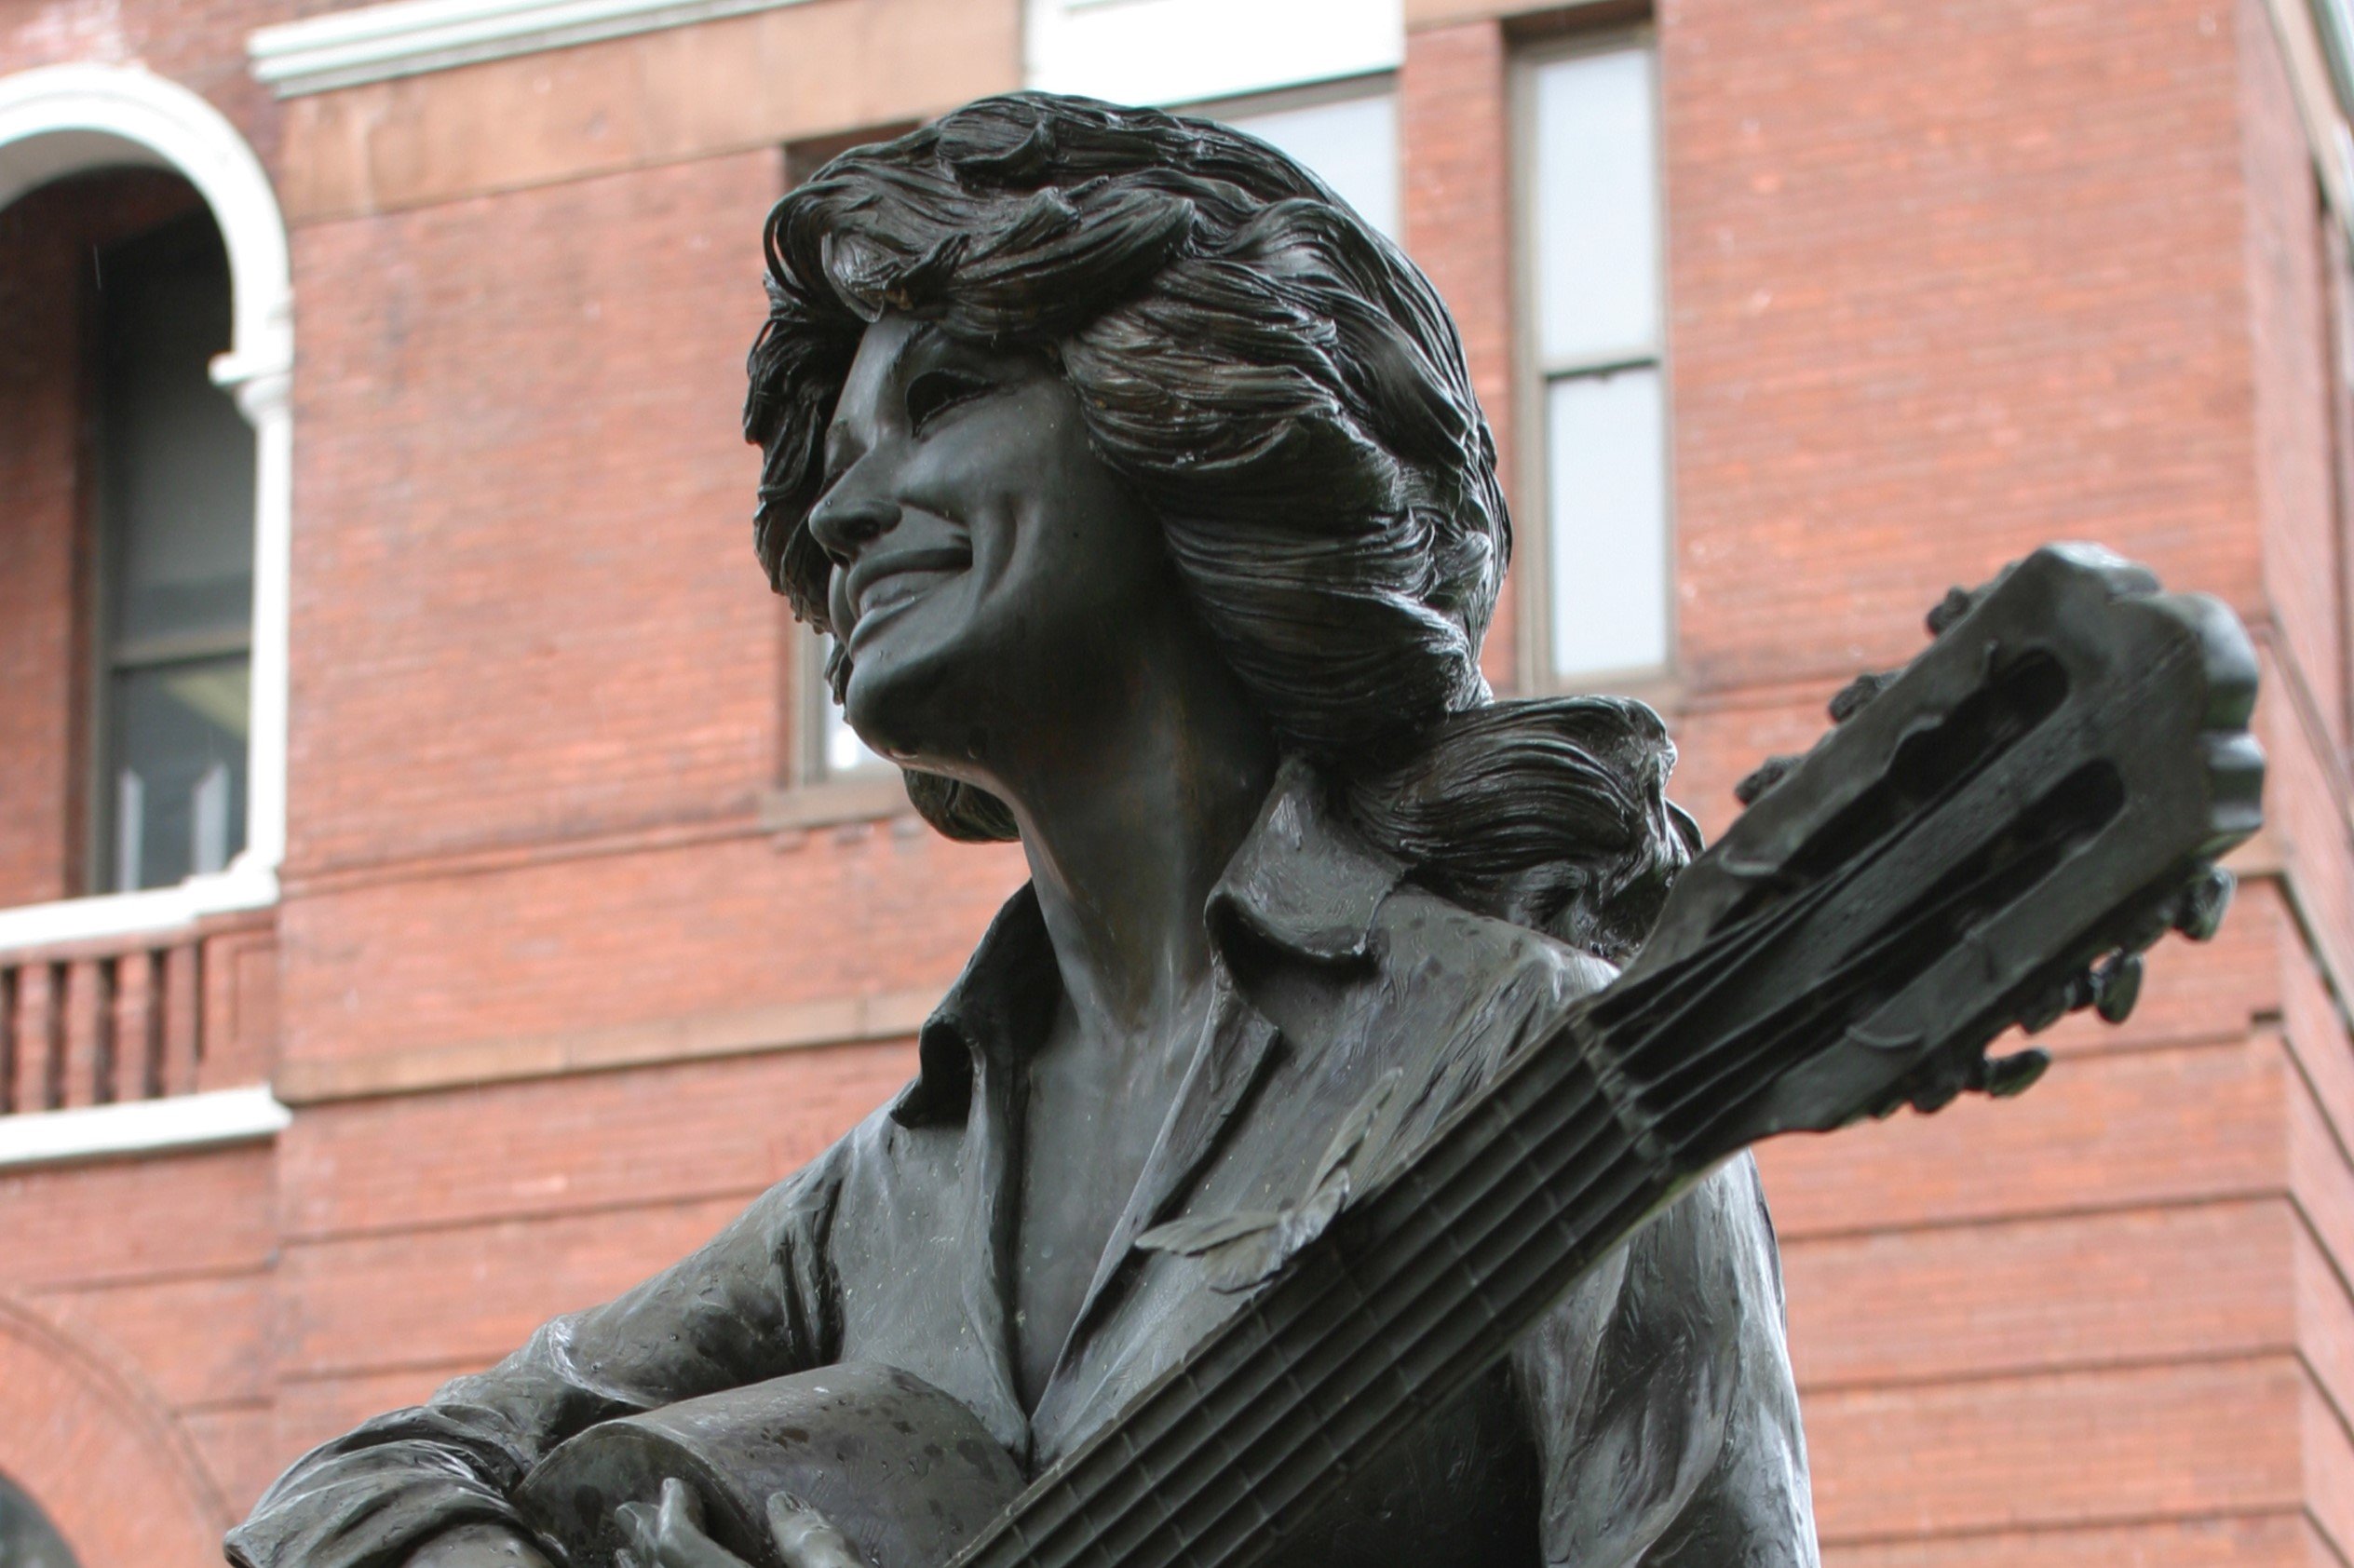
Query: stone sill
[[847, 1020], [141, 1127], [411, 37], [105, 917], [835, 803]]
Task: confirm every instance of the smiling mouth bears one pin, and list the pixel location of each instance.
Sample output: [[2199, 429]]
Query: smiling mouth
[[891, 585]]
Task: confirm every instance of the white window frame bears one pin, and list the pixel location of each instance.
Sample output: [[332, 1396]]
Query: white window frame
[[817, 713], [1316, 95], [1659, 682], [1191, 51], [61, 119]]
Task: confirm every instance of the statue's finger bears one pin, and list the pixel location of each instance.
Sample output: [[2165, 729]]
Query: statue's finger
[[637, 1522], [681, 1504], [679, 1533], [806, 1538]]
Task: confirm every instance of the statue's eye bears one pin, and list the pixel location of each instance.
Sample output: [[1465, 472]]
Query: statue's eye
[[934, 392]]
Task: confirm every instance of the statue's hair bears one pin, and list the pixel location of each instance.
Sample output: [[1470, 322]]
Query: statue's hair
[[1286, 392]]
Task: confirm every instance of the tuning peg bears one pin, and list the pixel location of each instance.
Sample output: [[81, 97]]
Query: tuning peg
[[2042, 1011], [1956, 604], [1933, 1094], [1764, 777], [2117, 985], [2003, 1077], [2200, 910], [1858, 692]]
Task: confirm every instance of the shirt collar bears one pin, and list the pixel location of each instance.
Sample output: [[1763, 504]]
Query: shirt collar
[[1301, 883]]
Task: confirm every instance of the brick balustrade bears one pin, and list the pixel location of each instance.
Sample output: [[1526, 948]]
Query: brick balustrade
[[139, 1017]]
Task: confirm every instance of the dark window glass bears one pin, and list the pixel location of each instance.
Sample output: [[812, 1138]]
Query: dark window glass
[[176, 508], [27, 1538]]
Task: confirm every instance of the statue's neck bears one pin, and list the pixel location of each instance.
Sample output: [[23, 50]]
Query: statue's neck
[[1129, 830]]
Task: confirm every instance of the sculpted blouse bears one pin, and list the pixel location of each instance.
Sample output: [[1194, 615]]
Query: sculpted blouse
[[1649, 1420]]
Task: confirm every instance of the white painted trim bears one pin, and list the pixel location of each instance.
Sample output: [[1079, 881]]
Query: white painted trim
[[1186, 51], [2335, 20], [54, 121], [143, 1126], [409, 37], [57, 119], [242, 886]]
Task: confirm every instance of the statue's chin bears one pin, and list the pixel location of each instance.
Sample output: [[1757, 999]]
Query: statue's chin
[[914, 712]]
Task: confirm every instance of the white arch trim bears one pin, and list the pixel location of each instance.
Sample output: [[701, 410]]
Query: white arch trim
[[56, 120]]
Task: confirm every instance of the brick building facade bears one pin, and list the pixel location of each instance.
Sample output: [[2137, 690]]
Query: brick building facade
[[561, 926]]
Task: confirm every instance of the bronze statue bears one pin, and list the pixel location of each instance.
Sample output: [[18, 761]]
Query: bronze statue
[[1270, 1185]]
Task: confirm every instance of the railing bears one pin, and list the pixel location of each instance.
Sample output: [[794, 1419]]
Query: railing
[[108, 1020]]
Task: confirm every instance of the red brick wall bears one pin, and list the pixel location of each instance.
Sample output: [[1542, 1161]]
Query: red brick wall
[[1946, 280], [522, 518], [198, 44], [41, 538], [526, 790], [1454, 124]]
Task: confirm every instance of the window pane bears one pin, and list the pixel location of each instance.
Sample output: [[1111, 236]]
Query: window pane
[[178, 485], [178, 779], [1607, 543], [840, 752], [1351, 145], [844, 751], [1597, 258]]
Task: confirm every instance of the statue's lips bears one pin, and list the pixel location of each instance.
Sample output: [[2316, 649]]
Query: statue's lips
[[883, 584]]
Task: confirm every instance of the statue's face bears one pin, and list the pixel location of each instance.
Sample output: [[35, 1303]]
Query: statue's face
[[991, 573]]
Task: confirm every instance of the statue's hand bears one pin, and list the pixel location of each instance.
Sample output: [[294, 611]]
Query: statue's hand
[[671, 1535], [480, 1546], [806, 1538]]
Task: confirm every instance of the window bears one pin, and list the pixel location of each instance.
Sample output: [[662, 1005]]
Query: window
[[825, 749], [1347, 135], [2337, 278], [1593, 289], [27, 1538], [1197, 51], [143, 674], [175, 620], [830, 749]]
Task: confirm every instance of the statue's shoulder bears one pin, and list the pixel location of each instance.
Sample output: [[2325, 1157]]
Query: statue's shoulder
[[1425, 938]]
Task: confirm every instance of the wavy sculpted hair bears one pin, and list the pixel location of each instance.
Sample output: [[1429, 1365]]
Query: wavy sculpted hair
[[1287, 393]]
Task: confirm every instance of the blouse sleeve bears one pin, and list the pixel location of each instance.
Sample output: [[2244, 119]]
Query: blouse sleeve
[[1661, 1400], [751, 1304]]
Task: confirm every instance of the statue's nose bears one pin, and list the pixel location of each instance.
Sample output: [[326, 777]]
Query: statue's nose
[[850, 518]]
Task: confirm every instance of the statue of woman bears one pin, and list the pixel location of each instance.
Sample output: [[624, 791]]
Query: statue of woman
[[1141, 489]]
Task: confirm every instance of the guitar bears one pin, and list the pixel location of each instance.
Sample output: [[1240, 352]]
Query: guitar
[[1992, 837]]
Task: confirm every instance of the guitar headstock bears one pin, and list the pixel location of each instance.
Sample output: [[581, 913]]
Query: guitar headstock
[[1990, 837]]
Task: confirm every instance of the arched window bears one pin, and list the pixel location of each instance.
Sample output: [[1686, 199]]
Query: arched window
[[169, 793], [174, 515], [27, 1538]]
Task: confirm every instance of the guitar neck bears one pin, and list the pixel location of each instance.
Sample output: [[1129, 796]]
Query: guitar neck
[[2033, 794], [1431, 1277]]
